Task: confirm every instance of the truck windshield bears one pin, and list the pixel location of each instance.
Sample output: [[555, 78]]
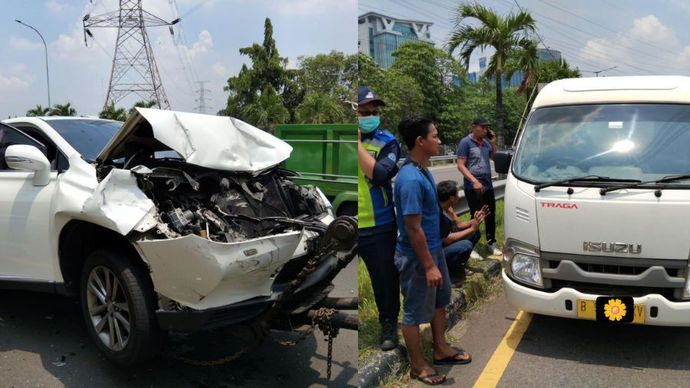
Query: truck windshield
[[642, 142]]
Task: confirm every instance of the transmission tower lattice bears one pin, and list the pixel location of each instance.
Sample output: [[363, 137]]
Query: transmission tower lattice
[[202, 97], [134, 68]]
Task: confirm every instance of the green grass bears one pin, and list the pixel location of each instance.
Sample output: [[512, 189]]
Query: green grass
[[368, 314]]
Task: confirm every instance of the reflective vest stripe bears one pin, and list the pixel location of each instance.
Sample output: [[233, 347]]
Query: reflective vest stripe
[[365, 205]]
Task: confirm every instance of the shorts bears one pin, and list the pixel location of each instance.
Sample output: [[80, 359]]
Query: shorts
[[420, 301]]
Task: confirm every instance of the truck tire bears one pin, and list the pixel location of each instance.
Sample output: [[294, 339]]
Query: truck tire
[[118, 306], [347, 209]]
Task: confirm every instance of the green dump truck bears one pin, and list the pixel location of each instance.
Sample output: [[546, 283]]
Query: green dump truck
[[325, 155]]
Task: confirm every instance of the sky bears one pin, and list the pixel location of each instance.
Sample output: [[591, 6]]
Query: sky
[[636, 37], [205, 47]]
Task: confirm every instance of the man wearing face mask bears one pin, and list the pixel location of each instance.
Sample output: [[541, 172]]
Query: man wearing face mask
[[378, 153]]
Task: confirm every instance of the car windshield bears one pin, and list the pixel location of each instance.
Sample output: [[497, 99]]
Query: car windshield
[[642, 142], [88, 137]]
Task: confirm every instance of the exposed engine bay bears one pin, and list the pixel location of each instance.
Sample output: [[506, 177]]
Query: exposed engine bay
[[224, 206]]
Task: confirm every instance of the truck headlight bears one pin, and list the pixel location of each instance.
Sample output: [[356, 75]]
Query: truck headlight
[[523, 262], [527, 269]]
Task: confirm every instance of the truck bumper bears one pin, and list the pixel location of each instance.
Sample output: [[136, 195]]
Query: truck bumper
[[554, 304]]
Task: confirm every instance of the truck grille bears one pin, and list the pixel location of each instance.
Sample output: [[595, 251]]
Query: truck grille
[[616, 276], [616, 269]]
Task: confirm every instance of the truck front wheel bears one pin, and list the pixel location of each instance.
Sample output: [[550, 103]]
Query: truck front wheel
[[118, 305]]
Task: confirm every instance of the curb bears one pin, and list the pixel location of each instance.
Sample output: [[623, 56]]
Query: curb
[[386, 364]]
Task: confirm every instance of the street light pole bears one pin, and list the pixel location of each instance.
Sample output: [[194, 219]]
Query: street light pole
[[601, 71], [45, 47]]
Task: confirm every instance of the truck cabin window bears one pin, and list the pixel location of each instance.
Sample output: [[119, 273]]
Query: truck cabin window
[[619, 141]]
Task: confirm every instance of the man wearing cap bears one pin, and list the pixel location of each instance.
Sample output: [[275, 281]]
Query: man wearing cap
[[378, 153], [474, 154]]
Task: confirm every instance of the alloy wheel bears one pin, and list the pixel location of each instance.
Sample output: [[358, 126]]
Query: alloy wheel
[[108, 308]]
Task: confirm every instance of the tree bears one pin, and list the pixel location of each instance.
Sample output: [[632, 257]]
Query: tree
[[112, 113], [38, 111], [62, 110], [333, 74], [326, 81], [502, 33], [267, 74], [401, 93], [434, 70], [523, 59], [320, 108], [554, 70], [267, 110], [538, 71], [142, 104]]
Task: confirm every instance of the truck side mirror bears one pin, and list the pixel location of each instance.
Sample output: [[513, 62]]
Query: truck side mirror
[[28, 157], [502, 161]]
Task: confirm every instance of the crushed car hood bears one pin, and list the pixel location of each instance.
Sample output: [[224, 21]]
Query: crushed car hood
[[217, 142]]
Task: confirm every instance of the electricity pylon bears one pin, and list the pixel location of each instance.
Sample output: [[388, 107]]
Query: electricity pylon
[[134, 68]]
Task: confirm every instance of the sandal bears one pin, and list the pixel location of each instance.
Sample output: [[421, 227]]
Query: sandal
[[429, 378], [453, 360]]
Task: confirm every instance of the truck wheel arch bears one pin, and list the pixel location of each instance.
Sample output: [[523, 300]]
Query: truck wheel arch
[[347, 200]]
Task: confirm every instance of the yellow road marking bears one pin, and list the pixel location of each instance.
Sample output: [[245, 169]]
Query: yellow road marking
[[493, 371]]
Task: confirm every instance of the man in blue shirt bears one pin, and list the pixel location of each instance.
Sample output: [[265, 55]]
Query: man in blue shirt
[[474, 154], [378, 154], [424, 279]]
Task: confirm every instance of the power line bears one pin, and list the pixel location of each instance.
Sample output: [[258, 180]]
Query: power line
[[134, 69], [604, 27], [538, 36], [560, 23]]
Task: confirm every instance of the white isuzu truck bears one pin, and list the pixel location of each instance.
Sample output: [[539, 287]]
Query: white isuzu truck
[[597, 202]]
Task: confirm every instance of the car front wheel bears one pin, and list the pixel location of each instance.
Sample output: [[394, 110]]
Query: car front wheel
[[118, 305]]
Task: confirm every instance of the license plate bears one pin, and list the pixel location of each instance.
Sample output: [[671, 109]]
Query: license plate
[[613, 309]]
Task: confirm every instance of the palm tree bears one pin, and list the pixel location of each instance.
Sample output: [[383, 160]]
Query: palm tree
[[320, 108], [37, 111], [62, 110], [538, 71], [523, 59], [143, 104], [113, 113], [502, 33]]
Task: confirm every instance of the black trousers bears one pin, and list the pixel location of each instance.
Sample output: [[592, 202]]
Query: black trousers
[[476, 200], [377, 251]]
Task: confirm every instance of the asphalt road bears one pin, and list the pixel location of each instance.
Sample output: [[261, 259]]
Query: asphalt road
[[558, 352], [43, 343]]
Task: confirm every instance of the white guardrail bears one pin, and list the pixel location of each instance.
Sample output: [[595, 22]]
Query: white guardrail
[[499, 192]]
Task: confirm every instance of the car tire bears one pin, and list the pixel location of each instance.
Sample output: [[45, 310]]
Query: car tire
[[118, 306]]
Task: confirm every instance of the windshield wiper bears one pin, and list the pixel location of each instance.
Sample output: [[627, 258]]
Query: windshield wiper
[[586, 178], [665, 179]]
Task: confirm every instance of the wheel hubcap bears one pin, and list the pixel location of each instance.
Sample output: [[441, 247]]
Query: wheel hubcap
[[108, 308]]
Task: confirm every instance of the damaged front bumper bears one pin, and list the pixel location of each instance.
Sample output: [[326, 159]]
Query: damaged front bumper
[[226, 286], [250, 310]]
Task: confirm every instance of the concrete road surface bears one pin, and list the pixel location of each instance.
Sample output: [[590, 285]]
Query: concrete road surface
[[43, 343]]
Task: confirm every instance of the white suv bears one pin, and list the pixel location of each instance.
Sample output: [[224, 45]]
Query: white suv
[[170, 221]]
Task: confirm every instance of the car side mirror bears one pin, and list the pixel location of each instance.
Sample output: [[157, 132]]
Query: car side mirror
[[28, 157], [502, 161]]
